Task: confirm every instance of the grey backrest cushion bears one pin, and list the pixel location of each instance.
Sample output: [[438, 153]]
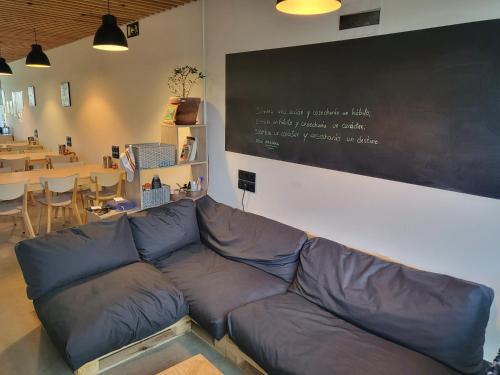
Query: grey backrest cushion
[[162, 230], [255, 240], [59, 258], [437, 315]]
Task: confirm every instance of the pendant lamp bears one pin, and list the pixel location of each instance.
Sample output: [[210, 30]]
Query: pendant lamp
[[5, 69], [308, 7], [109, 36], [37, 58]]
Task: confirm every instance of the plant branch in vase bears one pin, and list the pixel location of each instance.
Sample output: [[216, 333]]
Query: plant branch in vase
[[181, 84]]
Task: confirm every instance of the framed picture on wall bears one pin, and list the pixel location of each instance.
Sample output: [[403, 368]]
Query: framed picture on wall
[[31, 96], [65, 95]]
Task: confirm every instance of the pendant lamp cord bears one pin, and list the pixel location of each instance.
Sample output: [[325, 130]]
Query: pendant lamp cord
[[108, 8], [36, 42]]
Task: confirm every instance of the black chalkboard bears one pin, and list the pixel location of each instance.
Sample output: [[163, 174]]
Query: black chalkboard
[[420, 107]]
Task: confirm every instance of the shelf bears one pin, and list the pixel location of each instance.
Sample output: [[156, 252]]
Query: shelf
[[183, 126], [175, 166]]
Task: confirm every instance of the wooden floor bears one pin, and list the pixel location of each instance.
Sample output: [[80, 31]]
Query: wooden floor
[[25, 348]]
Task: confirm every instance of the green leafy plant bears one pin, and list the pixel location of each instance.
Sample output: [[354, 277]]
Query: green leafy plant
[[183, 80]]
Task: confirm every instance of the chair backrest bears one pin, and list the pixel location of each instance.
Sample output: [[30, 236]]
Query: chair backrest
[[106, 179], [59, 184], [16, 165], [66, 165], [59, 159], [12, 190], [6, 170], [6, 138]]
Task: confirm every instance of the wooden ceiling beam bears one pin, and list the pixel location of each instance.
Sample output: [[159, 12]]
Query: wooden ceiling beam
[[60, 22]]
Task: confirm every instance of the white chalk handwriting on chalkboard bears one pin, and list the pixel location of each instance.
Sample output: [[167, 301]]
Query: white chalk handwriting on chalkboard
[[334, 125]]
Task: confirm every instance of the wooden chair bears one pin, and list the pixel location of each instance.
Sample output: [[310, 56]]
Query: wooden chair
[[14, 202], [104, 186], [6, 170], [66, 189], [57, 159], [16, 165]]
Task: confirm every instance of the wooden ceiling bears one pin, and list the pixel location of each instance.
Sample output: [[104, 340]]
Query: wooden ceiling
[[59, 22]]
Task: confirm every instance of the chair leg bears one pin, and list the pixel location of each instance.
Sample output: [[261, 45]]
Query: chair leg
[[76, 213], [32, 198], [49, 218], [64, 215], [39, 219], [27, 224]]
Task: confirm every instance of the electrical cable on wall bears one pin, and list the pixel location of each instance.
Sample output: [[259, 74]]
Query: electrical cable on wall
[[243, 198]]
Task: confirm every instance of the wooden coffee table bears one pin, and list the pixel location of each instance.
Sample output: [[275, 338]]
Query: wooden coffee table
[[196, 365]]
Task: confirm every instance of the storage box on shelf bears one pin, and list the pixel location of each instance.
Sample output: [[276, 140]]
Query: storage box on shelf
[[179, 173]]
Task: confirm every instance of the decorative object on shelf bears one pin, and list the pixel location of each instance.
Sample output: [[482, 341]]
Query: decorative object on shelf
[[172, 106], [155, 197], [156, 182], [37, 58], [308, 7], [65, 95], [181, 83], [189, 149], [154, 155], [31, 96], [109, 36], [4, 67]]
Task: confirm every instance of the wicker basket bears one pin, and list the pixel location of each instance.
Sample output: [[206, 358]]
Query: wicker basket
[[154, 155], [155, 197]]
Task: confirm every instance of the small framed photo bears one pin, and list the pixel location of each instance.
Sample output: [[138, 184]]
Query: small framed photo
[[65, 95], [31, 96]]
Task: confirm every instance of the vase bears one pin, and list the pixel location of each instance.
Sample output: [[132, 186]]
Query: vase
[[187, 112]]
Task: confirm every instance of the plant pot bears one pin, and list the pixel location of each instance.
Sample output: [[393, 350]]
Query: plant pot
[[187, 112]]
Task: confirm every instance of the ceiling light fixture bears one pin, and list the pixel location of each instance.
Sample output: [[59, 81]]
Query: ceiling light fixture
[[109, 36], [37, 58], [308, 7], [5, 69]]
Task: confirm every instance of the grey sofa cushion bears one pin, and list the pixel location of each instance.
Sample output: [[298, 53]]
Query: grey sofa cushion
[[98, 315], [437, 315], [214, 285], [263, 243], [286, 334], [59, 258], [161, 230]]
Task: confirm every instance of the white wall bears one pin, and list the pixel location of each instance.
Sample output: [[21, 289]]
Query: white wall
[[436, 230], [117, 98]]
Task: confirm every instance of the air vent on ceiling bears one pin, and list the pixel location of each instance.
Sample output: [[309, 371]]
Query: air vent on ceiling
[[351, 21]]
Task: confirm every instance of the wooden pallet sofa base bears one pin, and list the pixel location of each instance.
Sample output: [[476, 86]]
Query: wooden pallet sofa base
[[135, 349], [228, 349]]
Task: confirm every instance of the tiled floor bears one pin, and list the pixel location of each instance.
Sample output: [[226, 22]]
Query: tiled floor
[[25, 348]]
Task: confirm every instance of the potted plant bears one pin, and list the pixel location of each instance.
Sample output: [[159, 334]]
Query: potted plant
[[181, 83]]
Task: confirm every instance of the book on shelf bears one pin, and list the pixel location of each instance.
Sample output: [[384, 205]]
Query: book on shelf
[[189, 149]]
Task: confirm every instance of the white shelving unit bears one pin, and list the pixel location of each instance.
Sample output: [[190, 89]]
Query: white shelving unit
[[180, 173]]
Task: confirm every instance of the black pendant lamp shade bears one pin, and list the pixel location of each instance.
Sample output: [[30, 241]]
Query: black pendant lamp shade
[[308, 7], [109, 37], [5, 69], [37, 58]]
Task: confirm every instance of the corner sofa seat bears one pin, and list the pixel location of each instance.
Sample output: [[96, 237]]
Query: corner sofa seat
[[98, 315], [214, 285], [286, 334]]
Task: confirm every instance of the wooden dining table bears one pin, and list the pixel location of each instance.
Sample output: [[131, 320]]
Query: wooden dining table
[[34, 156], [33, 176]]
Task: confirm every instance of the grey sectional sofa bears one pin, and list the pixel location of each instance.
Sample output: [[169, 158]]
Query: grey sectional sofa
[[295, 306]]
